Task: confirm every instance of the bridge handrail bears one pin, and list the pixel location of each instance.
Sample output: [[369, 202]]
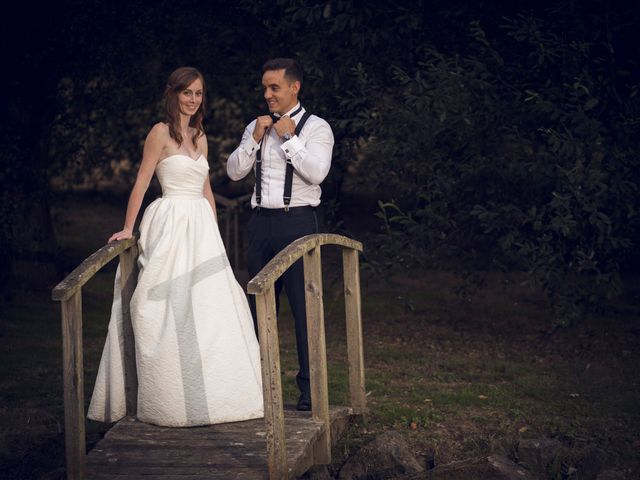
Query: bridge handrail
[[231, 202], [263, 287], [292, 253], [89, 267]]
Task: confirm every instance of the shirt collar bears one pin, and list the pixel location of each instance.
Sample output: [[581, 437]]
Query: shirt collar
[[296, 106]]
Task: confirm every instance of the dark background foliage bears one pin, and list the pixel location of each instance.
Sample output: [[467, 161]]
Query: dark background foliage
[[494, 134]]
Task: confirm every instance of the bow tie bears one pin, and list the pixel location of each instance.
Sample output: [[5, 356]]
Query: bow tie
[[293, 114]]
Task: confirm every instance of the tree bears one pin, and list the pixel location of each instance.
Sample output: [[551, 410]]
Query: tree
[[84, 88], [493, 140]]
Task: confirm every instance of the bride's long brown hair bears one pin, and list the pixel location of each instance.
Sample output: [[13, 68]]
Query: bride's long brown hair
[[178, 81]]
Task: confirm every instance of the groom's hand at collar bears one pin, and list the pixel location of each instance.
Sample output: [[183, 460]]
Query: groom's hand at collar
[[285, 125], [262, 124]]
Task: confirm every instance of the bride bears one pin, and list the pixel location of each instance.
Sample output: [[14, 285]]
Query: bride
[[197, 357]]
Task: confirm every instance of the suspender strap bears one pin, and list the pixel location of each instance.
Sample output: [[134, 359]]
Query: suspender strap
[[288, 177], [303, 120], [259, 173]]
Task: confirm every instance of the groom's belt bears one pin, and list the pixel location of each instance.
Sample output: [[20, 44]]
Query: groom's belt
[[284, 211]]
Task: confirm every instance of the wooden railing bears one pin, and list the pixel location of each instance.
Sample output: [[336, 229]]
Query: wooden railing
[[69, 293], [262, 286], [228, 223]]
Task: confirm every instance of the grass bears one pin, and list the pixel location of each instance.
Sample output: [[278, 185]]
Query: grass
[[31, 409], [460, 373], [457, 376]]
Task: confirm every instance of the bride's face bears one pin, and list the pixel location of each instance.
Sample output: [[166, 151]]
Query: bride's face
[[190, 98]]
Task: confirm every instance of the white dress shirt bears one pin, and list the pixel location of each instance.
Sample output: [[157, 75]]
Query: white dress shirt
[[310, 155]]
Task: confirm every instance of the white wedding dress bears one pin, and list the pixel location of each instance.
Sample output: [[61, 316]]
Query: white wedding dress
[[197, 356]]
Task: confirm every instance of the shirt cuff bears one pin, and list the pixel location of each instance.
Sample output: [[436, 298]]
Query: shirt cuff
[[250, 146], [292, 146]]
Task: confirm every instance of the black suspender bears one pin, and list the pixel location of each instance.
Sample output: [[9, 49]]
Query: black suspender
[[259, 173], [288, 177]]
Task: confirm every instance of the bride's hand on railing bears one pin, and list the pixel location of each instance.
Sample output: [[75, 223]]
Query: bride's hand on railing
[[123, 234]]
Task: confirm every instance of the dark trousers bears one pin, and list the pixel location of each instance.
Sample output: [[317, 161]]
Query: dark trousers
[[269, 232]]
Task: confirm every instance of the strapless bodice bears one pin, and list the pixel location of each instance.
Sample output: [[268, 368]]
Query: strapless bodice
[[181, 176]]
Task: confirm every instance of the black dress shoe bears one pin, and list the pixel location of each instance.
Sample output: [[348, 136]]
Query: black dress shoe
[[304, 402]]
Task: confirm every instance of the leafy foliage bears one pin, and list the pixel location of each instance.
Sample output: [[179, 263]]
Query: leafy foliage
[[514, 152], [491, 140]]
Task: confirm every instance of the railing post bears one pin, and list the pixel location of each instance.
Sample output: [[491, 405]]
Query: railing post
[[128, 282], [271, 384], [317, 351], [354, 329], [236, 234], [227, 227], [73, 380]]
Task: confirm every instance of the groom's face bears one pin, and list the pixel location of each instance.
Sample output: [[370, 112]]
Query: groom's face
[[280, 93]]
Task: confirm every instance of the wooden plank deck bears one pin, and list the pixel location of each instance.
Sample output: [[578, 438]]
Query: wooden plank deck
[[229, 451]]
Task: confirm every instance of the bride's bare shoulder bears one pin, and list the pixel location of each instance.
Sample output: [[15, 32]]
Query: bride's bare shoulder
[[159, 128], [159, 133]]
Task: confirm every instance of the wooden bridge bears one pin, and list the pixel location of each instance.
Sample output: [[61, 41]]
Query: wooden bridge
[[282, 445]]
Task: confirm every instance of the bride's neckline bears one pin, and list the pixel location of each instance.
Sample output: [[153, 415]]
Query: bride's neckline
[[183, 155]]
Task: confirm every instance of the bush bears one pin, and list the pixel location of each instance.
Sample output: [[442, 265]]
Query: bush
[[516, 153]]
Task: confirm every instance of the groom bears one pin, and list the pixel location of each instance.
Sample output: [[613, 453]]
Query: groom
[[290, 152]]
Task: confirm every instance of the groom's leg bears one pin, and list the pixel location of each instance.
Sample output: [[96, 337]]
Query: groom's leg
[[294, 287], [291, 227], [258, 255]]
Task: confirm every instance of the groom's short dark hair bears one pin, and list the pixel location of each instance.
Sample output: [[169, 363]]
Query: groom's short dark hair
[[292, 69]]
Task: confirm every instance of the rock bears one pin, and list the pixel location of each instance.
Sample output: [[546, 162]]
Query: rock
[[505, 446], [505, 468], [318, 472], [386, 457], [411, 476], [537, 454], [57, 474], [612, 474], [493, 467], [593, 461]]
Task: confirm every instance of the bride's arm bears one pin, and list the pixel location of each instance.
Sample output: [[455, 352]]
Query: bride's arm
[[150, 156]]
